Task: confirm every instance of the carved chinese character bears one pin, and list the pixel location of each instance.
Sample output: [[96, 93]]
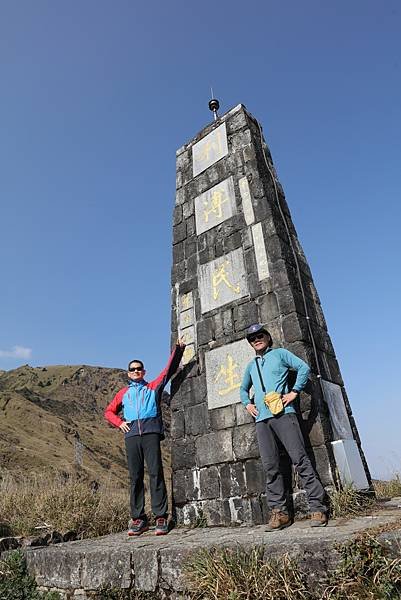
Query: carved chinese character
[[215, 205], [220, 276], [229, 375]]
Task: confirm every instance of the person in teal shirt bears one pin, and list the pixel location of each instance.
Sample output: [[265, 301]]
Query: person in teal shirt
[[268, 372]]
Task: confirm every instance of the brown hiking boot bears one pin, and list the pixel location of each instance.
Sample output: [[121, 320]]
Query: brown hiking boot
[[278, 520], [318, 519]]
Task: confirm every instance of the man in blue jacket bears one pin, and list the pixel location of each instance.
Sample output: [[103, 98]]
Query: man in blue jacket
[[268, 372], [142, 425]]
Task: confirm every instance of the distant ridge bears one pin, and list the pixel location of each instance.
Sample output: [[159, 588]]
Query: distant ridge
[[51, 418]]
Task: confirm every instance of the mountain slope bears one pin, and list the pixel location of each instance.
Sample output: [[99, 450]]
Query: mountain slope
[[52, 418]]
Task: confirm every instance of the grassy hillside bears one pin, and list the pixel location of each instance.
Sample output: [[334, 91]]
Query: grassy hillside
[[51, 418]]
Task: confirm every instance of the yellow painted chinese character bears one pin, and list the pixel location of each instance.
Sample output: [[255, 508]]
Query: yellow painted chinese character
[[186, 300], [230, 376], [220, 276], [187, 319], [216, 202], [188, 355]]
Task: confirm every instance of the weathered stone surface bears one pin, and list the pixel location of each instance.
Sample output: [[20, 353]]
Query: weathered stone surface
[[242, 415], [54, 566], [106, 567], [222, 418], [232, 480], [209, 483], [196, 419], [183, 453], [245, 444], [255, 477], [214, 448]]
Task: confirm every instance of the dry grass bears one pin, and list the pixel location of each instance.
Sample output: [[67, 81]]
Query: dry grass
[[51, 501], [349, 502], [233, 574], [388, 489]]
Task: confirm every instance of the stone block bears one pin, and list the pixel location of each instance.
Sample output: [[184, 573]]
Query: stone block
[[57, 570], [196, 419], [242, 415], [214, 448], [209, 486], [245, 314], [171, 571], [236, 122], [190, 247], [240, 510], [232, 480], [295, 328], [268, 307], [179, 232], [177, 424], [188, 208], [178, 252], [245, 444], [222, 418], [321, 463], [177, 215], [192, 484], [256, 511], [190, 223], [255, 477], [204, 331], [109, 567], [179, 486], [216, 512], [183, 454]]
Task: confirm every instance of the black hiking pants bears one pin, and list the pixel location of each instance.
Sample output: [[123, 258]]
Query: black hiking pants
[[143, 449]]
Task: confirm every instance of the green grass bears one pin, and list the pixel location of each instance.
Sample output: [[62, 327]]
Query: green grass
[[17, 584]]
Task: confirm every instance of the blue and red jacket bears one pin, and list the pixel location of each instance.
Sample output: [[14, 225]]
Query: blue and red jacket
[[140, 401]]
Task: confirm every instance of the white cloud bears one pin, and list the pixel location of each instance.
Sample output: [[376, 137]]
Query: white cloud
[[16, 352]]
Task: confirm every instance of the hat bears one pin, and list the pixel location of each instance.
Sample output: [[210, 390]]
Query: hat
[[256, 328]]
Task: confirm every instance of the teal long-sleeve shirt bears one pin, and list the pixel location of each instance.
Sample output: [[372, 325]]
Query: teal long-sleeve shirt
[[274, 366]]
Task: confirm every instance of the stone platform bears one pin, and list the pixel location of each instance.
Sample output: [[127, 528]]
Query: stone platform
[[155, 564]]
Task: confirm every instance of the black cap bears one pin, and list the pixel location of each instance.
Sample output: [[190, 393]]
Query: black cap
[[256, 328]]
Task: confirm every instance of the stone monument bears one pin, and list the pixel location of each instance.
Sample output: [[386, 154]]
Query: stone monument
[[237, 261]]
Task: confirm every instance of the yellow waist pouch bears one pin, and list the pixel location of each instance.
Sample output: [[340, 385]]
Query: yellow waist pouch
[[274, 402]]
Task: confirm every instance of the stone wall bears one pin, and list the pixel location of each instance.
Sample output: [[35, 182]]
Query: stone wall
[[233, 265]]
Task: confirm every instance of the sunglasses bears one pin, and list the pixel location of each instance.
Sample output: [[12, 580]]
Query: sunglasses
[[257, 336], [133, 369]]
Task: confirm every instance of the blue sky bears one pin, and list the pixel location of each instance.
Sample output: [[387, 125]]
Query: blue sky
[[97, 96]]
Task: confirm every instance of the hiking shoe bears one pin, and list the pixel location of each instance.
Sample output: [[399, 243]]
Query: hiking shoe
[[161, 526], [318, 519], [278, 520], [137, 526]]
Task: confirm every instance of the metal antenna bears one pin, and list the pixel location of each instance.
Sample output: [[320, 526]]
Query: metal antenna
[[214, 105]]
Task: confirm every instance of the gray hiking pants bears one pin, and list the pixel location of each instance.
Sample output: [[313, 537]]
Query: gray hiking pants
[[141, 449], [286, 428]]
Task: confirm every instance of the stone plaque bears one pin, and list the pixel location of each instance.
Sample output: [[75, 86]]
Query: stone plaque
[[338, 413], [189, 354], [215, 205], [186, 301], [209, 150], [225, 368], [222, 280], [188, 335], [246, 198], [186, 319], [260, 251]]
